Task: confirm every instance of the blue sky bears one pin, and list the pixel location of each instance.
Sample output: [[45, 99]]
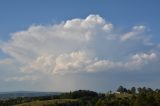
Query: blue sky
[[18, 15], [120, 47]]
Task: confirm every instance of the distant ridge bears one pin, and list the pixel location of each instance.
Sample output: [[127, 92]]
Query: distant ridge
[[15, 94]]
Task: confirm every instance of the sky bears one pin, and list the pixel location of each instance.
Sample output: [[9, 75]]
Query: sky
[[63, 45]]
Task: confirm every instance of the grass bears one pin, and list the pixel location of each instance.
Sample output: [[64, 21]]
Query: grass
[[49, 102], [123, 95]]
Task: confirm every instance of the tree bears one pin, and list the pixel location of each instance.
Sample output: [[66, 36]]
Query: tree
[[120, 89], [133, 90], [139, 90]]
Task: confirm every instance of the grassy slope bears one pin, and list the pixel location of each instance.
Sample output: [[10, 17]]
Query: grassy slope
[[49, 102], [123, 95], [61, 101]]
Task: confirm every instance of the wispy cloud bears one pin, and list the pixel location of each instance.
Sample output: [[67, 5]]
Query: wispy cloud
[[22, 78]]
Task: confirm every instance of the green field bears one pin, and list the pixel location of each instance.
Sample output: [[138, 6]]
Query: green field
[[55, 102]]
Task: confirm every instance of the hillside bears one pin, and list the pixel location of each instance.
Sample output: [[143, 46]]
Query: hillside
[[123, 97], [62, 102]]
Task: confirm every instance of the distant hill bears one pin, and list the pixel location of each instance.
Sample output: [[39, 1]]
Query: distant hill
[[7, 95], [141, 96]]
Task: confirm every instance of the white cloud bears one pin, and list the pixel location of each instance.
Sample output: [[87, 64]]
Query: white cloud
[[139, 60], [136, 61], [73, 62], [139, 28], [81, 61], [61, 38], [137, 32], [80, 45]]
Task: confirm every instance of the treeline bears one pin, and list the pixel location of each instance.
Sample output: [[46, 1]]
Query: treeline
[[131, 97], [122, 97]]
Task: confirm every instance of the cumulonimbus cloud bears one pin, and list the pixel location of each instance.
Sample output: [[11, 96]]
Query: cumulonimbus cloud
[[81, 45]]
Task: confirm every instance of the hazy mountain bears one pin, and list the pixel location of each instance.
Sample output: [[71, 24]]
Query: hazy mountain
[[5, 95]]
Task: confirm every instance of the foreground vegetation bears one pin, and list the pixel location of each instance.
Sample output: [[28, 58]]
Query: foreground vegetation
[[123, 97], [56, 102]]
